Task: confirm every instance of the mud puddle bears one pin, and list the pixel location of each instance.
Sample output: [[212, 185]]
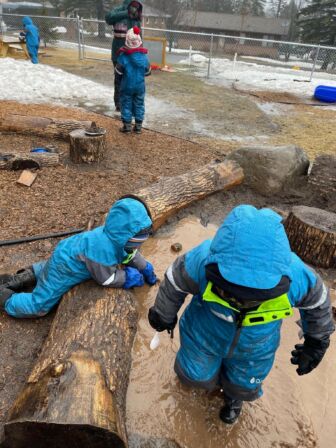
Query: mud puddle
[[294, 411]]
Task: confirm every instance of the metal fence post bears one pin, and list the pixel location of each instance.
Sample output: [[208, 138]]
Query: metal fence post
[[79, 38], [210, 56], [314, 65]]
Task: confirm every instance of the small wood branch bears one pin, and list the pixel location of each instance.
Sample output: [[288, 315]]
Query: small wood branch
[[19, 160], [312, 235], [76, 393], [86, 148], [41, 126]]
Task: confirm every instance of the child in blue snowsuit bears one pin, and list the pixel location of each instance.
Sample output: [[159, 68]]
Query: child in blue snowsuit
[[32, 37], [133, 65], [108, 254], [243, 282]]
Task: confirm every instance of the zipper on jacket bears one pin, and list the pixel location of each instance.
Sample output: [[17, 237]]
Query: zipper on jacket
[[239, 323]]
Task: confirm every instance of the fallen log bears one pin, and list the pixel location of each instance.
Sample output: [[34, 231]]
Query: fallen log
[[20, 161], [75, 395], [41, 126], [312, 235]]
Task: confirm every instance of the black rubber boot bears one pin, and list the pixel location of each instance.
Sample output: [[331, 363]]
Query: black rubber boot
[[230, 411], [5, 294], [127, 128], [23, 279], [137, 127]]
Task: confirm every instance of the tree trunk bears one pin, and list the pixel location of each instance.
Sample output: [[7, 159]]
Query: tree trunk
[[323, 175], [75, 395], [41, 126], [86, 148], [21, 161], [312, 235]]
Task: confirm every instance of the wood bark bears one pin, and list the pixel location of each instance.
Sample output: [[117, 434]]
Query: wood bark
[[41, 126], [323, 175], [86, 148], [19, 161], [75, 395], [312, 235]]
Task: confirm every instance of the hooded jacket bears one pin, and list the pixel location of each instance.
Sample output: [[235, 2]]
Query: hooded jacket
[[251, 249], [121, 22], [32, 32], [133, 65], [94, 254]]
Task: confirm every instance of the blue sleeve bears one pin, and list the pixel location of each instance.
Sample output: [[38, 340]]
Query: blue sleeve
[[194, 262]]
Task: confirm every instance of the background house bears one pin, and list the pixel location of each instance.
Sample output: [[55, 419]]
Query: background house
[[243, 26]]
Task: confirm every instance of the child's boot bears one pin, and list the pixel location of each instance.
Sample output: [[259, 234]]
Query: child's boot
[[127, 128], [138, 127]]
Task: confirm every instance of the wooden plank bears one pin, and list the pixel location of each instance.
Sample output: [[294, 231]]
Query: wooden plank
[[27, 178]]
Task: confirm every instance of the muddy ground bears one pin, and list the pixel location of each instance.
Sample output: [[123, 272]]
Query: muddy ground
[[65, 197]]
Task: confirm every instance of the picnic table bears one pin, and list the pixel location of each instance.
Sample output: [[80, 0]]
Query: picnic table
[[8, 44]]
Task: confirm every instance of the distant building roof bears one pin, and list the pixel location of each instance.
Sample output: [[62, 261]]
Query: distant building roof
[[233, 22], [149, 11]]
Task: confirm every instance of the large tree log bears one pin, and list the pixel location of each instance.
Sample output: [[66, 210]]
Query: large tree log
[[312, 235], [41, 126], [75, 395], [19, 161]]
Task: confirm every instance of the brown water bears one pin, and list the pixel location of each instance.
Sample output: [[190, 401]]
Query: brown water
[[295, 411]]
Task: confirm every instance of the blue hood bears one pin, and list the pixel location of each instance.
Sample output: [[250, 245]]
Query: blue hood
[[251, 248], [27, 21], [125, 219]]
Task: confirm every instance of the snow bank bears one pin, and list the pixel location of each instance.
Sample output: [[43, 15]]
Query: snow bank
[[28, 83], [252, 76]]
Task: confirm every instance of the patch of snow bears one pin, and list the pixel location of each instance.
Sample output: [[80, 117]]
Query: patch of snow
[[291, 63], [274, 109], [45, 84], [60, 29], [251, 76]]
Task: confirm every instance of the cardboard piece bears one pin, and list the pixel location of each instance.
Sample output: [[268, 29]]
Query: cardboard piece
[[27, 178]]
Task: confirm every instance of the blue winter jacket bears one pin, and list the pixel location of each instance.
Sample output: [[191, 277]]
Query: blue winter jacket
[[94, 254], [32, 32], [133, 66], [251, 249]]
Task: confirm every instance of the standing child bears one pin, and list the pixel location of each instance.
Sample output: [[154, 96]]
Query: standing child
[[133, 65], [32, 36]]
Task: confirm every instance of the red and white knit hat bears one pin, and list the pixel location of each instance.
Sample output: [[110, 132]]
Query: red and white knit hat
[[133, 38]]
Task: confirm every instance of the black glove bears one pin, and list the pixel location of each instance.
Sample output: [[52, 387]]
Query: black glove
[[307, 356], [158, 323], [133, 12]]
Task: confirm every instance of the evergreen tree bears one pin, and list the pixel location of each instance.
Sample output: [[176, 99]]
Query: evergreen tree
[[249, 7], [318, 22]]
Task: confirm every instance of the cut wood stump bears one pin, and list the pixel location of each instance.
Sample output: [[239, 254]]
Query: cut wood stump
[[323, 175], [312, 235], [41, 126], [75, 395], [18, 160], [86, 148]]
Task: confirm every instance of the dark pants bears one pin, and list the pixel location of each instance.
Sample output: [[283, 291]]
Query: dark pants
[[117, 82]]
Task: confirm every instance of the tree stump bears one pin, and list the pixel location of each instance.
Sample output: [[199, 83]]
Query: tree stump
[[323, 174], [76, 393], [86, 148], [312, 235]]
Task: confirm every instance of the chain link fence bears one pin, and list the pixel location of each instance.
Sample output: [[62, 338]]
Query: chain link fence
[[207, 55]]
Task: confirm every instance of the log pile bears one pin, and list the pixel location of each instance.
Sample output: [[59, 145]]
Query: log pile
[[75, 395]]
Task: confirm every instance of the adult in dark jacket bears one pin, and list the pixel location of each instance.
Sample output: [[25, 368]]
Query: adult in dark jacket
[[108, 254], [32, 37], [133, 65], [122, 18], [244, 282]]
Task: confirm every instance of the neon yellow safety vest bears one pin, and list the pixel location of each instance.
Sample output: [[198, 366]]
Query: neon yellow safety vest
[[130, 257], [269, 311]]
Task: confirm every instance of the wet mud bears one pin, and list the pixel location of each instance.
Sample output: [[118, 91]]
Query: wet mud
[[294, 411]]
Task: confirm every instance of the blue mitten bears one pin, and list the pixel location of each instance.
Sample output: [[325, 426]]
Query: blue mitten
[[149, 274], [133, 278]]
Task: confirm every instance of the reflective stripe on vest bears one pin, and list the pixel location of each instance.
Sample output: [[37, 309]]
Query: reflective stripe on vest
[[269, 311]]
